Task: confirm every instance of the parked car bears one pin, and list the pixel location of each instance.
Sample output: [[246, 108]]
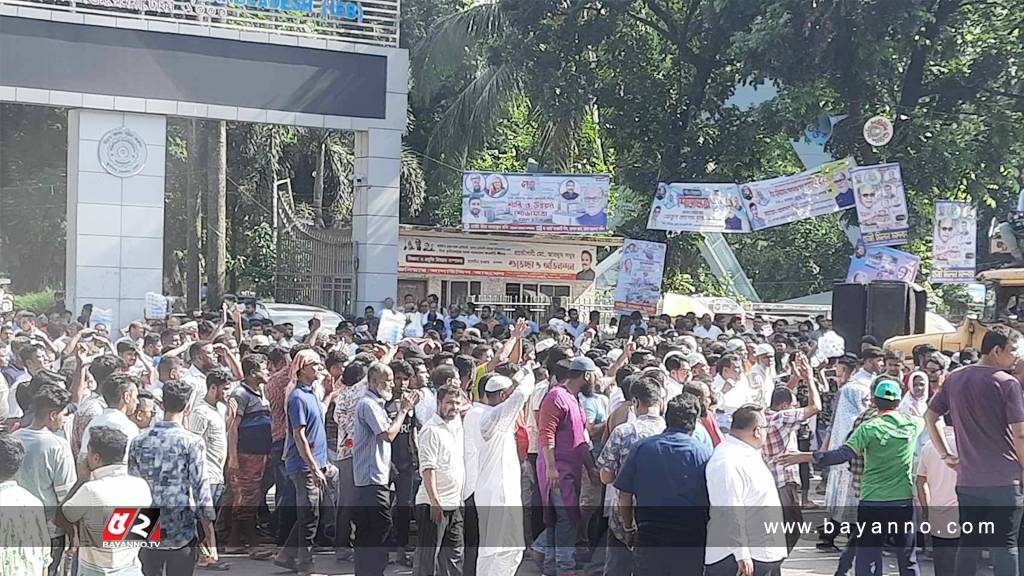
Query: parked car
[[299, 316]]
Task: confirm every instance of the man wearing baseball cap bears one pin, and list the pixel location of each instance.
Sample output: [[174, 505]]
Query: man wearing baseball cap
[[886, 507], [564, 452]]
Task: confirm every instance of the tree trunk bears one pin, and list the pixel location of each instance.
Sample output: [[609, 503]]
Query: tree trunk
[[193, 231], [216, 214], [318, 182]]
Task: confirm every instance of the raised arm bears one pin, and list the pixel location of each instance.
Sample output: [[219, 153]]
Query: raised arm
[[408, 402], [510, 346], [623, 358], [229, 358], [813, 395], [503, 417]]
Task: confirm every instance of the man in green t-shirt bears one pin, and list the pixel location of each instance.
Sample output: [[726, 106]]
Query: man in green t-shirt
[[886, 509]]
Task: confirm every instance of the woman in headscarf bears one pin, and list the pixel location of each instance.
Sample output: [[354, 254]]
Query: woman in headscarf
[[840, 499], [915, 401]]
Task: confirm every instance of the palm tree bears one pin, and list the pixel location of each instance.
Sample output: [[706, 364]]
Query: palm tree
[[480, 48]]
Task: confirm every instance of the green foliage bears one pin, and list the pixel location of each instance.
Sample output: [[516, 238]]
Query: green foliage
[[654, 79], [33, 195], [256, 270], [804, 257], [679, 283], [949, 300], [37, 301]]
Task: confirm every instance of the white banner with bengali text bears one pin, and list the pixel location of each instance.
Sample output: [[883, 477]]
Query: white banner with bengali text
[[823, 190], [697, 207]]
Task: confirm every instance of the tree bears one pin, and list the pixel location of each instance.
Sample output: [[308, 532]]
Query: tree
[[216, 211], [33, 195], [660, 74]]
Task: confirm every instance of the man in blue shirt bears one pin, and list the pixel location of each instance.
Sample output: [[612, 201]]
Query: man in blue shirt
[[305, 462], [668, 523], [180, 489]]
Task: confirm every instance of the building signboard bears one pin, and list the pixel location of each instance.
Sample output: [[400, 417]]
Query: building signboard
[[458, 256]]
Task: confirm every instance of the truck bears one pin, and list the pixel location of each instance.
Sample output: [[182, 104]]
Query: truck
[[1004, 304]]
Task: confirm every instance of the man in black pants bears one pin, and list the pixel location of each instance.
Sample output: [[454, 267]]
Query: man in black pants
[[985, 403], [371, 467], [305, 463], [403, 462], [438, 503], [886, 507]]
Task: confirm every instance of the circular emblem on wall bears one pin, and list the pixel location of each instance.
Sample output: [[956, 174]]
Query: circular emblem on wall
[[878, 131], [122, 152]]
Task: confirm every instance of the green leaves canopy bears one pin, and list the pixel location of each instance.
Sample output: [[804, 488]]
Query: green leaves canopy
[[655, 78]]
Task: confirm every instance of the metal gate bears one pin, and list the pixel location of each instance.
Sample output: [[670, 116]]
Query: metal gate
[[315, 266]]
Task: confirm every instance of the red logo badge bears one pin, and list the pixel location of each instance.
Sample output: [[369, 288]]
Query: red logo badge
[[133, 525]]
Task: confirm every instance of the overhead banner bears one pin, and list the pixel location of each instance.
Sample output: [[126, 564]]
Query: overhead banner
[[881, 204], [683, 207], [871, 263], [535, 202], [446, 256], [954, 244], [640, 271], [823, 190]]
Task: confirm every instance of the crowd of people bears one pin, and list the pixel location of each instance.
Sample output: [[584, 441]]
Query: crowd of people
[[650, 446]]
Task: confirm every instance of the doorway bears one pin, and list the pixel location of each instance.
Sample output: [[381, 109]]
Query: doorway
[[418, 289]]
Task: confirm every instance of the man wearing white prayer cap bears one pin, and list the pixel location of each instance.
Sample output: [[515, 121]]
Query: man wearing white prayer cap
[[762, 375], [498, 490]]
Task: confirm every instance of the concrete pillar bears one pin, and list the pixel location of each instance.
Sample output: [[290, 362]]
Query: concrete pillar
[[375, 216], [115, 221]]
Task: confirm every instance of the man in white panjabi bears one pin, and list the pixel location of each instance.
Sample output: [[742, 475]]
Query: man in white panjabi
[[762, 375], [498, 492]]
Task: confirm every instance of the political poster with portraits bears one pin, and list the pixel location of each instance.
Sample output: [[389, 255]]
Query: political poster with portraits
[[640, 270], [566, 203], [823, 190], [686, 207], [954, 242], [881, 204], [871, 263]]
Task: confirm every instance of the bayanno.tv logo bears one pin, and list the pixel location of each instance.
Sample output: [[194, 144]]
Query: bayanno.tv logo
[[132, 528]]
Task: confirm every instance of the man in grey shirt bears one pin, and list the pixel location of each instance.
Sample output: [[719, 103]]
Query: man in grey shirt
[[371, 467], [48, 471]]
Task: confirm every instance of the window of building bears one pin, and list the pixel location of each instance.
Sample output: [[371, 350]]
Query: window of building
[[459, 291], [535, 292]]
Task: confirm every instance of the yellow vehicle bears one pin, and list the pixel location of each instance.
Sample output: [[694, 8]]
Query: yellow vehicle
[[1004, 303]]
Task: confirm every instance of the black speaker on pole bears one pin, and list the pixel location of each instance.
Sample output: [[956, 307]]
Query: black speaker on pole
[[849, 301], [889, 308], [920, 300]]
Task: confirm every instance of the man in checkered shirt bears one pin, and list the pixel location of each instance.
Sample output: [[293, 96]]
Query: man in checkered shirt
[[784, 419]]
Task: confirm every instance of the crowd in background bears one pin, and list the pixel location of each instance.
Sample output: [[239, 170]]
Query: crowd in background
[[647, 445]]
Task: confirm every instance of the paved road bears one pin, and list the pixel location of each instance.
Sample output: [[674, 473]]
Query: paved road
[[805, 560]]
